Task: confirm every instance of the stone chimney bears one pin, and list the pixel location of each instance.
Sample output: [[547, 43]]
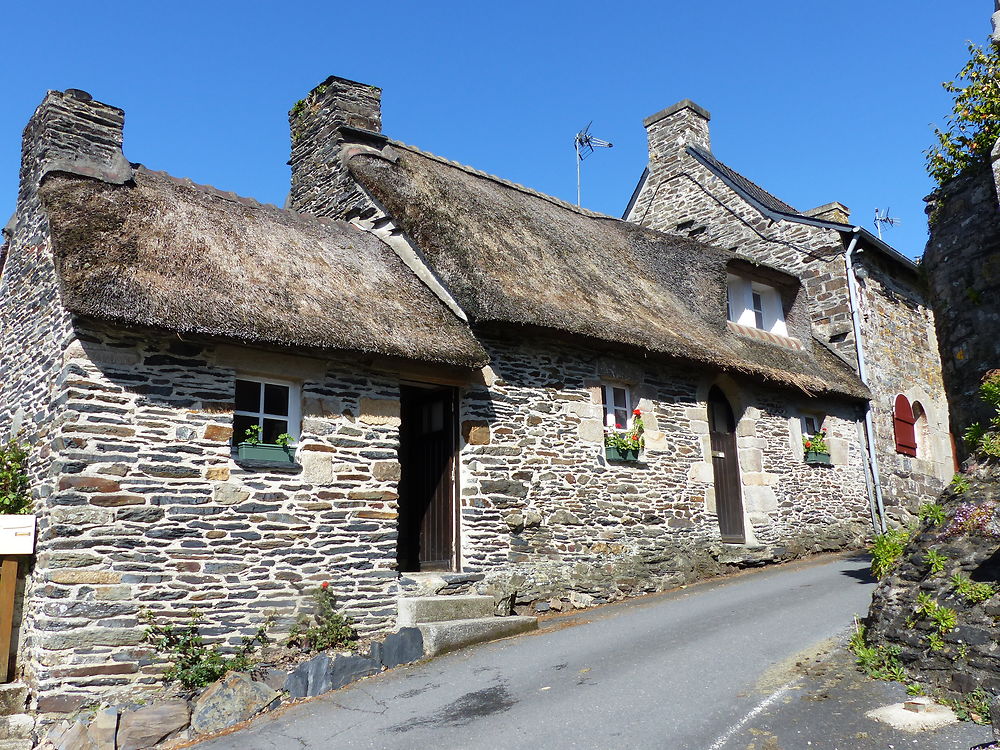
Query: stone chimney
[[71, 132], [835, 211], [674, 128], [336, 111]]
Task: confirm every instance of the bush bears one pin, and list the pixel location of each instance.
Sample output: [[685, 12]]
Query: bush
[[15, 490], [878, 662], [935, 560], [325, 628], [970, 592], [886, 550], [983, 439], [194, 664], [932, 513], [974, 124]]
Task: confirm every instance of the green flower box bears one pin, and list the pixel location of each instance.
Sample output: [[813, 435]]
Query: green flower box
[[818, 459], [617, 454], [266, 452]]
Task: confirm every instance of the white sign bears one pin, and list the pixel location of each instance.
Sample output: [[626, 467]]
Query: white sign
[[17, 535]]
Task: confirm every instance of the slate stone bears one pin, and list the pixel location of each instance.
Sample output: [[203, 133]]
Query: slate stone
[[147, 726], [103, 729], [310, 677], [231, 700], [347, 669], [402, 647]]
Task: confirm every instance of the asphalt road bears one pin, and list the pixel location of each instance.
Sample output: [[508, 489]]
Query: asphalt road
[[686, 670]]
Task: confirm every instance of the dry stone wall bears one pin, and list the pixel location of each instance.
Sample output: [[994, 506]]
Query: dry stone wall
[[962, 261]]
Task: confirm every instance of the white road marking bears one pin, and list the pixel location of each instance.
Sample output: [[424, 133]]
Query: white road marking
[[720, 743]]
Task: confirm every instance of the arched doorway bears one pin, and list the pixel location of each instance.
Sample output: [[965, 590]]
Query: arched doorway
[[726, 467]]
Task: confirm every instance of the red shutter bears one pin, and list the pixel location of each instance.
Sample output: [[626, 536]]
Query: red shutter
[[902, 422]]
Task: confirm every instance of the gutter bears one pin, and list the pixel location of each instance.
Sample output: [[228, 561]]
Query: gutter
[[874, 498]]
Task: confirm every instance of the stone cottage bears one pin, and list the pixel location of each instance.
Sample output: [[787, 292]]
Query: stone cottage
[[867, 302], [444, 350]]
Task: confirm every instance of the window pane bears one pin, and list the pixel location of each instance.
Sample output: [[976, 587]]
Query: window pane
[[621, 400], [276, 399], [247, 395], [621, 418], [240, 425], [758, 310], [604, 396], [273, 428]]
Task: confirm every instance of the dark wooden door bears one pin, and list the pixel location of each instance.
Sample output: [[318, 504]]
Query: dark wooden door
[[726, 466], [427, 507]]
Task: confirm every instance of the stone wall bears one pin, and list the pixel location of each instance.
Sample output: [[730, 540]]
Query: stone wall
[[682, 196], [962, 262], [967, 657], [151, 512], [553, 523]]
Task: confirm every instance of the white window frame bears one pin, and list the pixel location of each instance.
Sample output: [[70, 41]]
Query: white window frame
[[743, 310], [608, 401], [817, 419], [294, 416]]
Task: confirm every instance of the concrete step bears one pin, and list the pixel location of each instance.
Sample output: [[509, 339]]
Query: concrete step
[[452, 634], [420, 609]]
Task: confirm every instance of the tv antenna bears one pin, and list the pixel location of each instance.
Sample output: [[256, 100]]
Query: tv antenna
[[585, 143], [884, 218]]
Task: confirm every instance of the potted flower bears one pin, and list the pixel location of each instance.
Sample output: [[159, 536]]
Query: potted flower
[[816, 450], [251, 448], [624, 445]]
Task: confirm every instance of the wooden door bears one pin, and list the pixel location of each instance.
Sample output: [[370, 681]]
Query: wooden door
[[427, 503], [726, 466]]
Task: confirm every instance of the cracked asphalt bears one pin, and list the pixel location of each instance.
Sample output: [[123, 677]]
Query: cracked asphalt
[[741, 662]]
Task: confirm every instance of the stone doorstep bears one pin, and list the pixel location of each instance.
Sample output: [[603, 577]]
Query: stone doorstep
[[423, 609], [449, 635]]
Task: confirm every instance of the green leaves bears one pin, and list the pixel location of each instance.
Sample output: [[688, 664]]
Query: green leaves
[[325, 629], [973, 126], [886, 550], [15, 489]]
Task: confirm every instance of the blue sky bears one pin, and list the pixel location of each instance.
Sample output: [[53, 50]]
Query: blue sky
[[814, 101]]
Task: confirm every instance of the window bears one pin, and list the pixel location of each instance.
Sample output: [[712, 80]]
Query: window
[[903, 426], [811, 424], [617, 406], [750, 303], [271, 405]]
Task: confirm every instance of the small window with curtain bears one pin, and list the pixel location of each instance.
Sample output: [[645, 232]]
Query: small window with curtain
[[265, 409], [903, 426], [617, 406]]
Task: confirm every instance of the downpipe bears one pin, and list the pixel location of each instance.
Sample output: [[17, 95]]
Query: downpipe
[[875, 504]]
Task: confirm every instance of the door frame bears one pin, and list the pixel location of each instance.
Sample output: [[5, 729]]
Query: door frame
[[452, 473], [732, 463]]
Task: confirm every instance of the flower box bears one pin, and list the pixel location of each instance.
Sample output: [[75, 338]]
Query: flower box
[[818, 459], [266, 452], [617, 454]]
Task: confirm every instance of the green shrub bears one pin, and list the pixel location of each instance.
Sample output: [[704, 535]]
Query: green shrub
[[15, 490], [936, 642], [932, 513], [974, 124], [974, 706], [194, 664], [980, 438], [325, 628], [960, 484], [878, 662], [886, 550], [971, 592], [936, 560], [944, 618]]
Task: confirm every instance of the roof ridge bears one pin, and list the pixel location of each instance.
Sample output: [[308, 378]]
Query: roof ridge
[[788, 208], [501, 181], [242, 199]]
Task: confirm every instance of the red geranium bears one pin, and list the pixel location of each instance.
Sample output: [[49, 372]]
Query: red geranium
[[637, 412], [325, 585]]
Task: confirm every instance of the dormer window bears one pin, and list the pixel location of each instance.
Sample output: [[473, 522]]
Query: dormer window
[[755, 305]]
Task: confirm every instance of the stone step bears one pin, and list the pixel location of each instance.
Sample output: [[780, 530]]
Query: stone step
[[16, 726], [421, 609], [13, 698], [449, 635]]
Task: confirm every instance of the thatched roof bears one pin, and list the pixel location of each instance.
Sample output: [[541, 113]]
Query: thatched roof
[[511, 255], [167, 254]]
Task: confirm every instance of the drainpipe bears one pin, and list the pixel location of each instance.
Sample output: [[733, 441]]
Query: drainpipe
[[878, 510]]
